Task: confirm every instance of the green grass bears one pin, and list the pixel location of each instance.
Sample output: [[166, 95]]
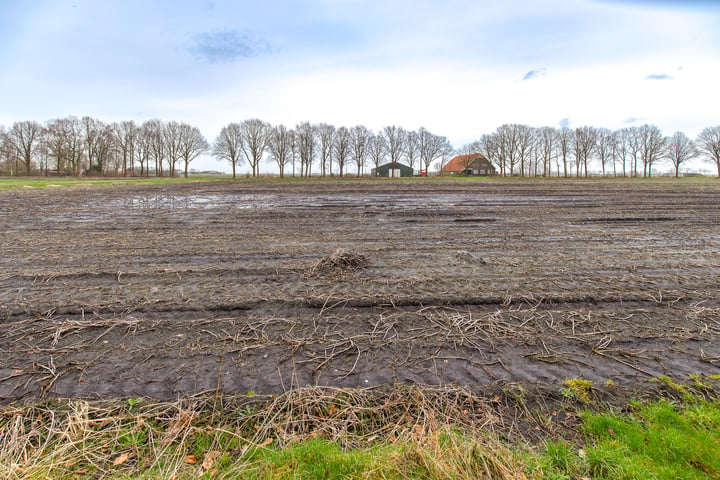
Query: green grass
[[58, 182], [659, 440]]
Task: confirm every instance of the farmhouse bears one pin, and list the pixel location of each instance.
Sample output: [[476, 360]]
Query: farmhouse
[[392, 170], [474, 164]]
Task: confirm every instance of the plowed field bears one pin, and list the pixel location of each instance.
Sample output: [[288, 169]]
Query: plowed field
[[173, 290]]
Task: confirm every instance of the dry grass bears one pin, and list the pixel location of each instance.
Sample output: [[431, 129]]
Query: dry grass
[[78, 437], [420, 431], [341, 262]]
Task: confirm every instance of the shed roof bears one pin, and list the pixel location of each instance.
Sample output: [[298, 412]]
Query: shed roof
[[397, 165]]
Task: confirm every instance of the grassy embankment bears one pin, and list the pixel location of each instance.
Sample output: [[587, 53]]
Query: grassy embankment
[[413, 433]]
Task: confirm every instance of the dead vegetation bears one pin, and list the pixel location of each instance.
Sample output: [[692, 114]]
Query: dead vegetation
[[78, 437], [339, 263]]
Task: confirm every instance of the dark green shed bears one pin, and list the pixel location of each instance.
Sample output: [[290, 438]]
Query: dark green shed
[[392, 170]]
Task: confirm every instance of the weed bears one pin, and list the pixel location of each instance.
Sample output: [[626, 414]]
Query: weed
[[515, 391], [699, 383], [672, 384], [577, 388]]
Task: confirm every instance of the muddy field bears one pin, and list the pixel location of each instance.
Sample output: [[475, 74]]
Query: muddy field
[[172, 290]]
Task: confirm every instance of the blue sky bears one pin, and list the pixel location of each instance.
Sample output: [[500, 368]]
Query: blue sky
[[459, 68]]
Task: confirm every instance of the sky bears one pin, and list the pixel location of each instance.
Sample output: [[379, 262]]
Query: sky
[[459, 68]]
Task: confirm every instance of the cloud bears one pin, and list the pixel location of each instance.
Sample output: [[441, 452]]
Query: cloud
[[656, 76], [564, 123], [532, 74], [632, 120], [220, 46]]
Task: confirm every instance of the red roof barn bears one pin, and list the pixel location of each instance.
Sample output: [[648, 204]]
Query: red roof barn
[[473, 164]]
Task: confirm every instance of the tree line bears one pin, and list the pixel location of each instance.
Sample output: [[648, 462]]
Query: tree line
[[329, 149], [633, 151], [76, 146]]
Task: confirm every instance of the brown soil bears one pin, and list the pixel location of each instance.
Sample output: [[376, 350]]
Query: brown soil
[[175, 290]]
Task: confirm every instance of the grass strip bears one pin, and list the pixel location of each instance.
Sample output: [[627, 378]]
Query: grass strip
[[408, 432]]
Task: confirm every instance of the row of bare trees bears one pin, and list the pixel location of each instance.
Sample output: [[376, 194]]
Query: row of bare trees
[[332, 150], [526, 151], [86, 145], [75, 146]]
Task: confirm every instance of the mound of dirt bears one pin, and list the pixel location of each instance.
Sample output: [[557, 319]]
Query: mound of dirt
[[339, 263]]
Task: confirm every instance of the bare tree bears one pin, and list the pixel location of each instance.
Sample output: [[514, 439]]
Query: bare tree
[[343, 147], [585, 144], [102, 146], [228, 145], [679, 149], [447, 154], [307, 136], [171, 135], [537, 154], [56, 140], [547, 137], [65, 142], [652, 144], [24, 137], [281, 144], [619, 151], [489, 146], [6, 151], [604, 147], [377, 150], [255, 135], [709, 142], [359, 136], [566, 139], [326, 142], [154, 133], [431, 147], [126, 135], [395, 142], [142, 149], [412, 148], [506, 147], [99, 140], [634, 139], [191, 144], [525, 142], [105, 150], [294, 149], [91, 132], [113, 160], [508, 140]]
